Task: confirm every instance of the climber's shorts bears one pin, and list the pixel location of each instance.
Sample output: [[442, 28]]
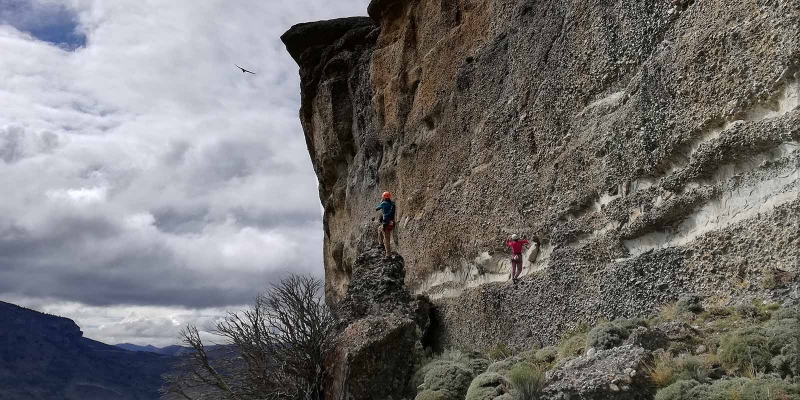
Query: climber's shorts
[[388, 226], [516, 258]]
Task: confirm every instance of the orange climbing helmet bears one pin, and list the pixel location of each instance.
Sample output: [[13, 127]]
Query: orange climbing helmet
[[386, 195]]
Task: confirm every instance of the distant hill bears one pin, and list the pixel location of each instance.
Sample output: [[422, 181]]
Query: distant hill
[[174, 350], [46, 357]]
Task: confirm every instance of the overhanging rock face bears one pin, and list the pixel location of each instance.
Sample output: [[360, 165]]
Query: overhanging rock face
[[652, 145]]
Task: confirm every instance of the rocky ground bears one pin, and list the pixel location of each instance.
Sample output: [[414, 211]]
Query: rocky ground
[[689, 349], [685, 352]]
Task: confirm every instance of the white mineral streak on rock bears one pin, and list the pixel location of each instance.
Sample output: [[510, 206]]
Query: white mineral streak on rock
[[484, 269], [732, 207]]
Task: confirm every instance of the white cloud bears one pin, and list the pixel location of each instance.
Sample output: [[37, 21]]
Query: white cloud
[[145, 169]]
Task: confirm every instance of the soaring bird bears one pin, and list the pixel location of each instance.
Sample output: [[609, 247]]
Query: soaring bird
[[244, 70]]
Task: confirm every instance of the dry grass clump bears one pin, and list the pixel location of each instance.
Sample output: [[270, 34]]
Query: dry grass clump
[[667, 369], [527, 380], [499, 352]]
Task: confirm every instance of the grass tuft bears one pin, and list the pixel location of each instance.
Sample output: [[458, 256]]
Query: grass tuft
[[527, 380]]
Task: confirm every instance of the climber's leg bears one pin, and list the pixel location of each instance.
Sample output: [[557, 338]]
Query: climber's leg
[[518, 270], [387, 242], [515, 263], [387, 229]]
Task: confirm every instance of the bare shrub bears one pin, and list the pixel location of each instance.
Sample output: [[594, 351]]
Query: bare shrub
[[275, 350]]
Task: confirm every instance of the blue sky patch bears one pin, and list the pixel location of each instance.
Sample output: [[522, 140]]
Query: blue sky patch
[[50, 23]]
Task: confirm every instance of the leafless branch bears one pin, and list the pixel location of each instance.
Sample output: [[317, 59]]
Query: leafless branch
[[277, 349]]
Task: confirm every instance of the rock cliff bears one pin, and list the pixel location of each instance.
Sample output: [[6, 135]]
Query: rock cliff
[[651, 145]]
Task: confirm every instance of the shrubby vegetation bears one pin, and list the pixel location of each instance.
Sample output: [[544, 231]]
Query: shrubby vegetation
[[499, 352], [744, 352], [574, 342], [737, 388], [527, 381], [667, 369], [752, 347], [275, 350]]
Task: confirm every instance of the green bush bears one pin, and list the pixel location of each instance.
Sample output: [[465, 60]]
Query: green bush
[[451, 378], [487, 386], [783, 366], [451, 357], [667, 370], [436, 395], [688, 303], [786, 313], [744, 388], [478, 365], [629, 324], [457, 356], [691, 368], [547, 354], [528, 355], [782, 334], [745, 351], [677, 391], [750, 311], [573, 346], [419, 376], [527, 381], [606, 335], [714, 313], [739, 388], [503, 366], [499, 352]]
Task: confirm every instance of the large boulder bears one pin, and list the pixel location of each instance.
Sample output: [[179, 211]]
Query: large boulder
[[606, 374], [377, 342], [373, 359]]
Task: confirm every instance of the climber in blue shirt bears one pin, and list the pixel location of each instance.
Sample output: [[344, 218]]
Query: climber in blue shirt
[[387, 208]]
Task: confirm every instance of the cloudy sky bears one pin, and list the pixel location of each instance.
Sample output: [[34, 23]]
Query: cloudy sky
[[146, 182]]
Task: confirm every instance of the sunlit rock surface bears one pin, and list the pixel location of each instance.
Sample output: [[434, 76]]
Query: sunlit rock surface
[[652, 145]]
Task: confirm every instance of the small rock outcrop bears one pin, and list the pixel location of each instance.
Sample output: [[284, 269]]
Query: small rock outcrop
[[616, 373], [378, 339]]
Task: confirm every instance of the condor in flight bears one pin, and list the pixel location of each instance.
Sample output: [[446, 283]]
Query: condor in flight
[[244, 70]]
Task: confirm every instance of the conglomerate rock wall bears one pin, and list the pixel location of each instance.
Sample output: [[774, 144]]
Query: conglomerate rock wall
[[651, 145]]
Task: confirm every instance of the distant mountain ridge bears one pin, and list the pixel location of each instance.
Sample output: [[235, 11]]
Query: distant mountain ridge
[[173, 350], [46, 357]]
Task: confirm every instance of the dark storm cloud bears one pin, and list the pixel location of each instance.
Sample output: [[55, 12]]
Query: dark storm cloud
[[184, 221], [97, 263]]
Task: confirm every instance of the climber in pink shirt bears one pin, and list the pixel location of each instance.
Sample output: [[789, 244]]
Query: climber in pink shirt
[[516, 245]]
